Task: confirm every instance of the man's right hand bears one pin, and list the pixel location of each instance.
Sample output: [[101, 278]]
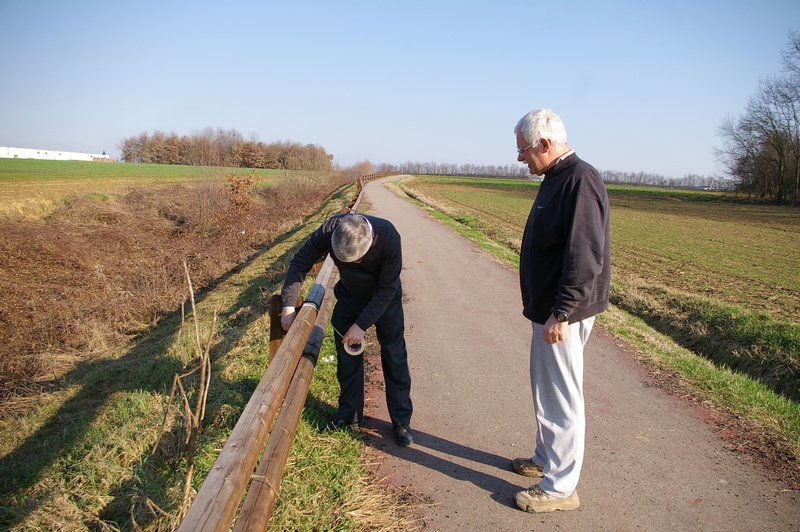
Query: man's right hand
[[554, 331], [288, 315]]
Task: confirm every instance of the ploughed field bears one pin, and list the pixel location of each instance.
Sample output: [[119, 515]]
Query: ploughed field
[[717, 274]]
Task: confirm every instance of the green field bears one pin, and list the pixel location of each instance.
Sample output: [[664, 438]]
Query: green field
[[708, 286], [34, 188], [697, 242]]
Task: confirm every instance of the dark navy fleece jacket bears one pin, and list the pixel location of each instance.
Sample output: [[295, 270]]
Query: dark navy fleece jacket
[[373, 282], [565, 260]]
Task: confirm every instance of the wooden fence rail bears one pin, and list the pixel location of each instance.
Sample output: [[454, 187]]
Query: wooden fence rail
[[283, 387]]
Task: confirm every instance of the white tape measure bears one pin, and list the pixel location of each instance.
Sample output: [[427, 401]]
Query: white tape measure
[[352, 350]]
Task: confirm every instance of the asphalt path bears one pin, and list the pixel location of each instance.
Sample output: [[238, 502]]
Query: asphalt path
[[651, 462]]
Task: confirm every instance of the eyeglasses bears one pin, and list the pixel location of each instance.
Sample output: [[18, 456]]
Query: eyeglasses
[[522, 150]]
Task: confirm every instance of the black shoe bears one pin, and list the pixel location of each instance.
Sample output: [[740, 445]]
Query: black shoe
[[338, 424], [402, 436]]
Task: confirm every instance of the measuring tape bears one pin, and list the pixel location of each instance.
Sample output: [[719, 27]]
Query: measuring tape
[[352, 350]]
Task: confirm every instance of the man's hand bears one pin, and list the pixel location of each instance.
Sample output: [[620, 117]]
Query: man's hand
[[554, 330], [288, 315], [354, 335]]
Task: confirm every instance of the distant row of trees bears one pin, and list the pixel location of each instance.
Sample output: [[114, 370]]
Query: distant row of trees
[[219, 147], [761, 148], [517, 171], [418, 168], [655, 180]]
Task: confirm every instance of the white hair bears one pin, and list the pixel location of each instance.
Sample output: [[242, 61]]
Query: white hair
[[542, 124], [352, 238]]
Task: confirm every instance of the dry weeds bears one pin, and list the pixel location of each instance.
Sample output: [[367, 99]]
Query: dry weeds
[[93, 273]]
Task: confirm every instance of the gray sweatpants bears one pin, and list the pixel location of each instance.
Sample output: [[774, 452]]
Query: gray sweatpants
[[557, 384]]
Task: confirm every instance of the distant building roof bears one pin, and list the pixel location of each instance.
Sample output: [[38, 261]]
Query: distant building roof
[[52, 155]]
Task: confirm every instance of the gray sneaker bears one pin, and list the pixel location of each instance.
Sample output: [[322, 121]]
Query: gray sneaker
[[537, 501], [526, 468]]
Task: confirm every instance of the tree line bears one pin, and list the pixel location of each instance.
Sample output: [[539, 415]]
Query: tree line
[[655, 180], [431, 168], [517, 171], [761, 147], [220, 147]]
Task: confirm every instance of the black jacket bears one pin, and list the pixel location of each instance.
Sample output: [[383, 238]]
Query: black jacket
[[373, 282], [565, 260]]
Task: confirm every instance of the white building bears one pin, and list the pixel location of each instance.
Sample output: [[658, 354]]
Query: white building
[[52, 155]]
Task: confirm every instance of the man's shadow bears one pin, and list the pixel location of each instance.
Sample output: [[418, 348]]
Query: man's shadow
[[379, 434]]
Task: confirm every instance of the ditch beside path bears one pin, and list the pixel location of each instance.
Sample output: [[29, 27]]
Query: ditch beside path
[[651, 462]]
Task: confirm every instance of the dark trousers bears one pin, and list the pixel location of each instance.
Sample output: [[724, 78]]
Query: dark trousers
[[350, 369]]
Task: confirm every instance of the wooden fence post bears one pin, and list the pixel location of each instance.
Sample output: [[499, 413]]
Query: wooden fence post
[[276, 332]]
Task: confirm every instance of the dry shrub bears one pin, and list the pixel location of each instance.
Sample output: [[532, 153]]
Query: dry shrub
[[240, 186], [294, 192], [352, 173], [93, 273]]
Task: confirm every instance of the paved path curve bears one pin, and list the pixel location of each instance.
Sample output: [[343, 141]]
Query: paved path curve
[[651, 462]]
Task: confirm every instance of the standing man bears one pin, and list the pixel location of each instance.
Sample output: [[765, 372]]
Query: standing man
[[366, 250], [565, 272]]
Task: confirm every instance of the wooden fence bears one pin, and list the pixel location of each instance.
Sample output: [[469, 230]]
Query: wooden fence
[[283, 388]]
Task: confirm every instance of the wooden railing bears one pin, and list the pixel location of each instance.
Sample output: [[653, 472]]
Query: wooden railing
[[283, 387]]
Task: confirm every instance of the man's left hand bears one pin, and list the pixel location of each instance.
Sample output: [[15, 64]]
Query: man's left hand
[[554, 330]]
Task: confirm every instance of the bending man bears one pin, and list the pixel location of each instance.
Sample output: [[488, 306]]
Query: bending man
[[367, 252]]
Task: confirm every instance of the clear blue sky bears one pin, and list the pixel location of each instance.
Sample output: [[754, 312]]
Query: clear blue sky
[[641, 85]]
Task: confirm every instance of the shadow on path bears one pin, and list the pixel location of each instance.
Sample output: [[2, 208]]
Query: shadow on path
[[443, 456]]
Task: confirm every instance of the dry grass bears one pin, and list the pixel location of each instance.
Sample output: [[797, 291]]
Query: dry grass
[[93, 450], [92, 273], [89, 438], [318, 476]]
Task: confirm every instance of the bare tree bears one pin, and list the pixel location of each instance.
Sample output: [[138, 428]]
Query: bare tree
[[761, 149], [172, 149], [204, 150]]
